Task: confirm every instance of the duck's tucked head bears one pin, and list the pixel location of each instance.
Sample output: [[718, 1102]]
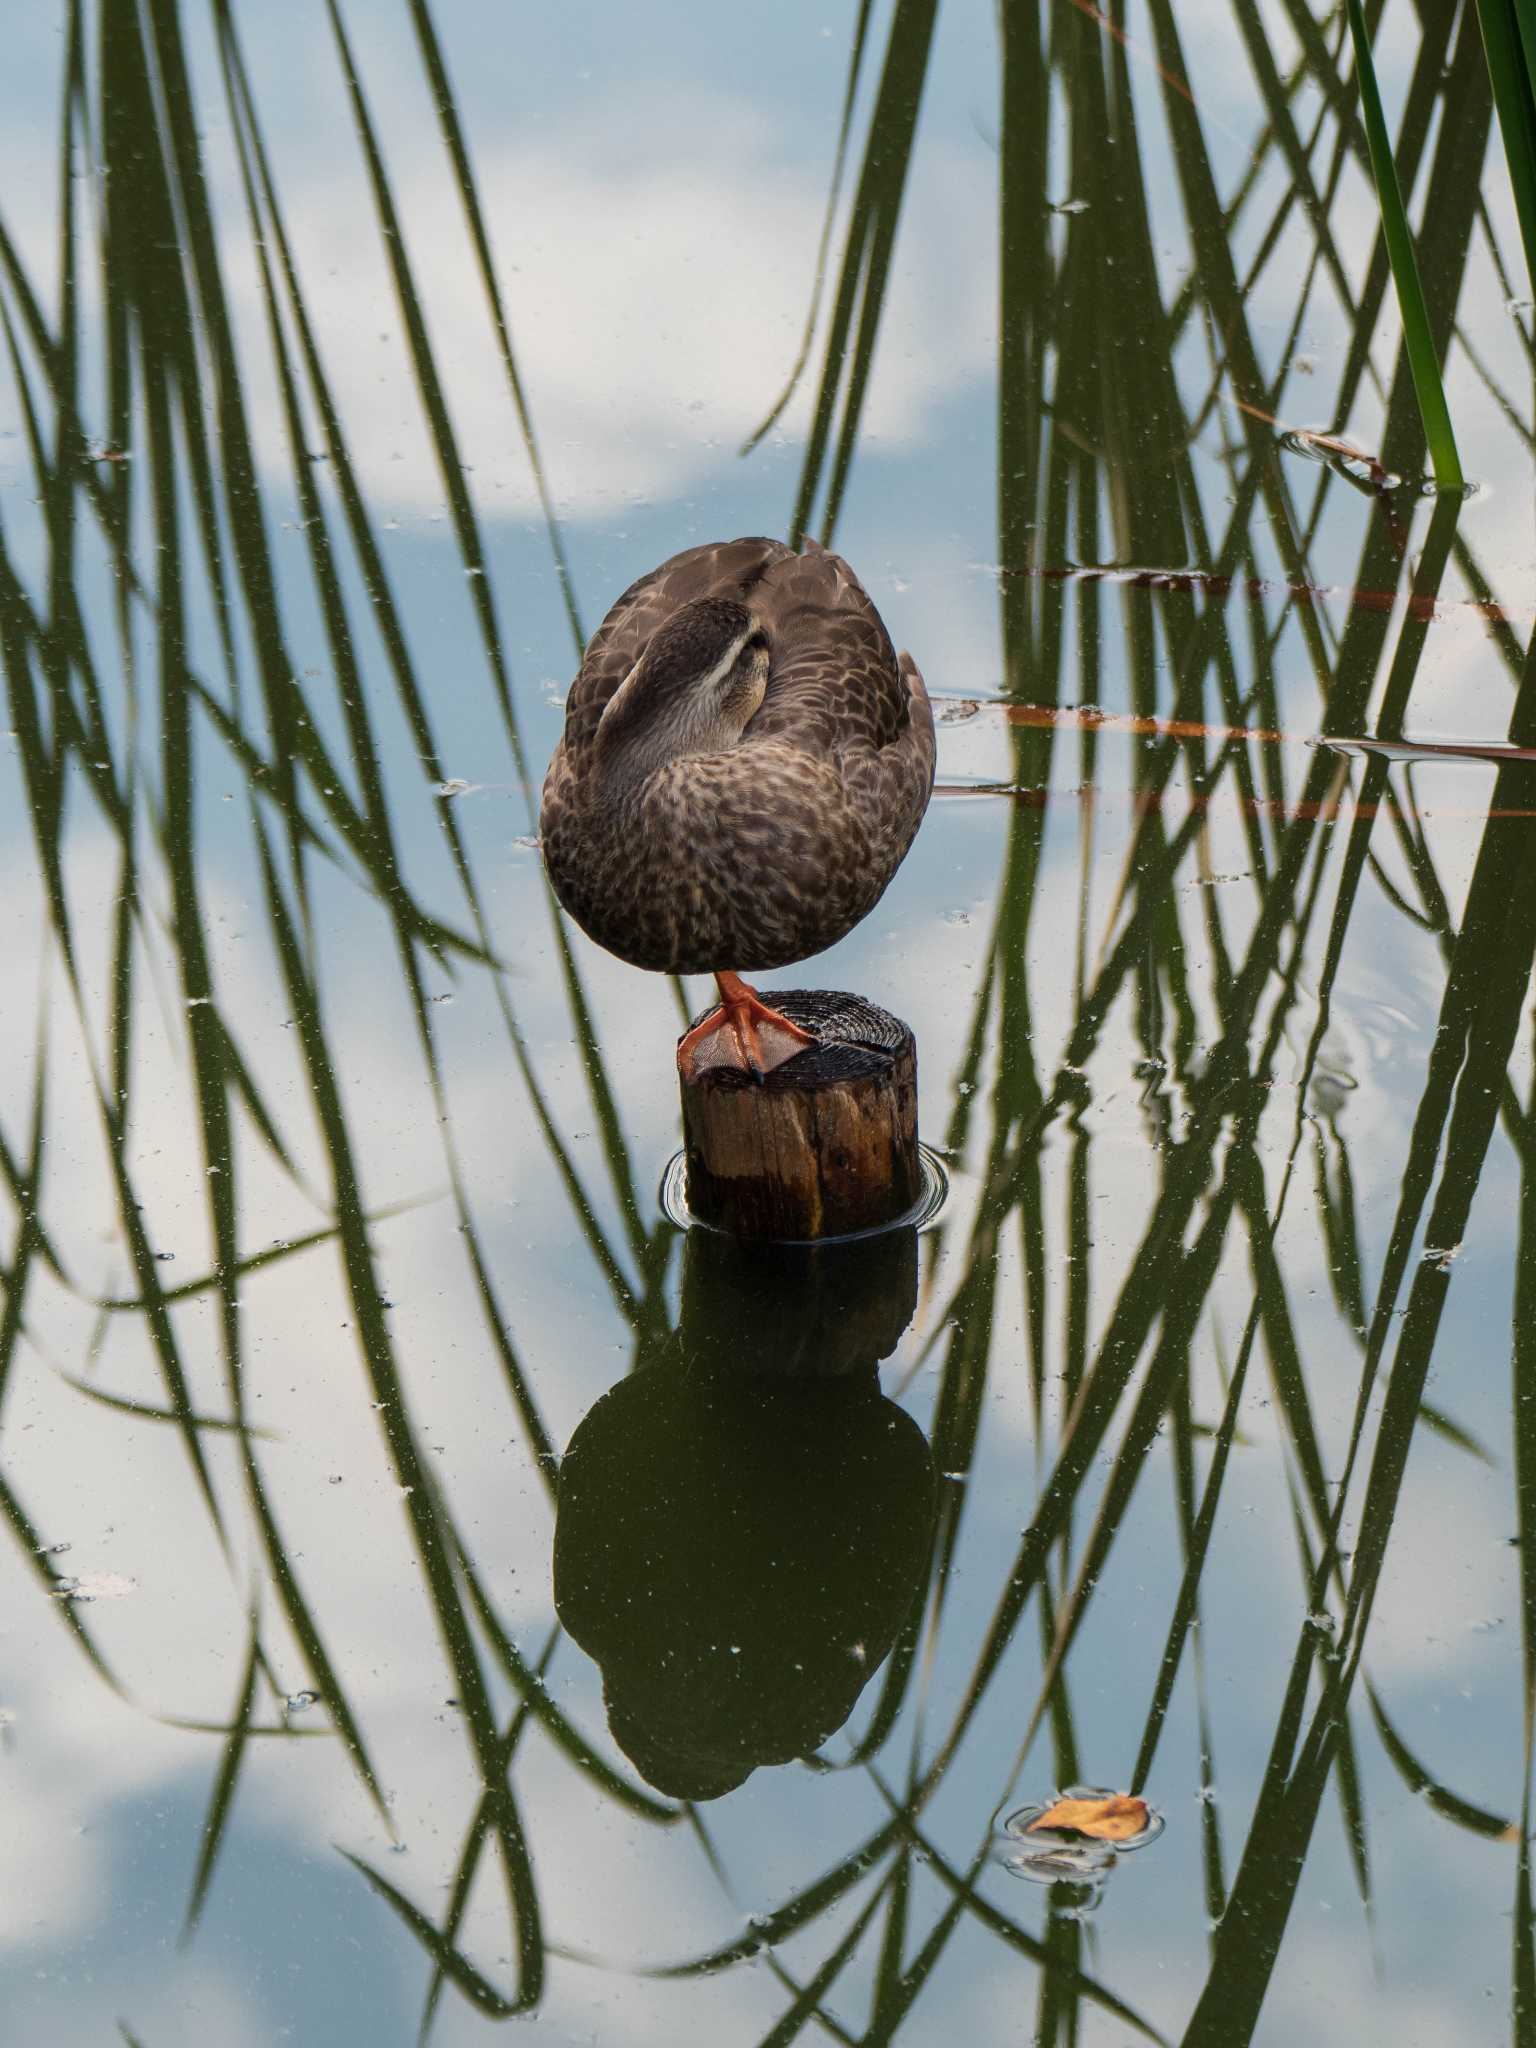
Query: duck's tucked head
[[701, 677]]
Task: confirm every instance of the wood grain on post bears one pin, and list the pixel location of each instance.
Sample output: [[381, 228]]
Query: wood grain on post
[[826, 1144]]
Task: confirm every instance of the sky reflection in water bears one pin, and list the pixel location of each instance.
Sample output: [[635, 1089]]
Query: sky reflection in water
[[330, 1162]]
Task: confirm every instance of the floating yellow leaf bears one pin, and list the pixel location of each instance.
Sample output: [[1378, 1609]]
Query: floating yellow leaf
[[1114, 1818]]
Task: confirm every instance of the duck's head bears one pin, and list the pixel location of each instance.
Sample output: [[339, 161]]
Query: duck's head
[[701, 677]]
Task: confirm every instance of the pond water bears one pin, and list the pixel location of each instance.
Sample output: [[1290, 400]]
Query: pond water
[[437, 1590]]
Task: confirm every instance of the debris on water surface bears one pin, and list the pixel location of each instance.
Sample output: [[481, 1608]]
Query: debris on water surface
[[1077, 1837], [96, 1586], [454, 786], [1108, 1817], [1331, 1089], [299, 1702], [1441, 1257], [1070, 206]]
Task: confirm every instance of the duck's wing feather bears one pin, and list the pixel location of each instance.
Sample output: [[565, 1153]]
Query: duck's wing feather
[[836, 682], [727, 568], [839, 690]]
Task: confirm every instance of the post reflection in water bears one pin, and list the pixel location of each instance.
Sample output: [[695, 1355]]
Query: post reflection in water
[[743, 1525]]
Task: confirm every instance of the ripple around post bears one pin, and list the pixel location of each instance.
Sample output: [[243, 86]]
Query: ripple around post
[[923, 1214]]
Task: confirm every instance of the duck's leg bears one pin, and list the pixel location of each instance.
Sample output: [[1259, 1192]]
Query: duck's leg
[[742, 1032]]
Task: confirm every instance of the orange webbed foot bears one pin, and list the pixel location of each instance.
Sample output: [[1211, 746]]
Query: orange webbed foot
[[743, 1032]]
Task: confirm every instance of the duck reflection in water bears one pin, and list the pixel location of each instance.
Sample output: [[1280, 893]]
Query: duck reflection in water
[[744, 1524]]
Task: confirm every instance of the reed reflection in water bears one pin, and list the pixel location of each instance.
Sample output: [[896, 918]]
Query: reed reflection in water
[[1185, 1454]]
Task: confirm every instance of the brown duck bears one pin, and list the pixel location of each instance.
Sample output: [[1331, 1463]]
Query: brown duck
[[745, 762]]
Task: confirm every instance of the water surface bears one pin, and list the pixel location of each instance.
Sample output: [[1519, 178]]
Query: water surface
[[438, 1590]]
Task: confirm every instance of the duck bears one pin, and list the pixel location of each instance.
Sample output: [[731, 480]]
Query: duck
[[745, 763]]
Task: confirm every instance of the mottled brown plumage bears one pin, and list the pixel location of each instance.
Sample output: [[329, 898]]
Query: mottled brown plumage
[[720, 845]]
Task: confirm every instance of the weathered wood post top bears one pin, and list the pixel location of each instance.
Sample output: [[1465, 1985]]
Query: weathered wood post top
[[824, 1145]]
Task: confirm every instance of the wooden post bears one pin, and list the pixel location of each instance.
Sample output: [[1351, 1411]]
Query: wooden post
[[825, 1145]]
